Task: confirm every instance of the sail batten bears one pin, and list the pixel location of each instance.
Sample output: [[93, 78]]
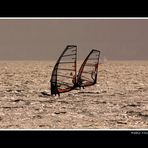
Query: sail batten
[[66, 62], [66, 69], [69, 55]]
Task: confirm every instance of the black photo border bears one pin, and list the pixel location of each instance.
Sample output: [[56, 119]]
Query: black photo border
[[68, 136]]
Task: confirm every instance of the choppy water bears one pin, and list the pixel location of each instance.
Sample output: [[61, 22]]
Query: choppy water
[[118, 100]]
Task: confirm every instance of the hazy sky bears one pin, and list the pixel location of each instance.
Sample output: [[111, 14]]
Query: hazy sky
[[46, 39]]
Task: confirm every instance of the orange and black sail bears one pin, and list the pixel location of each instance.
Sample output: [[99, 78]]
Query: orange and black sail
[[63, 77], [88, 71]]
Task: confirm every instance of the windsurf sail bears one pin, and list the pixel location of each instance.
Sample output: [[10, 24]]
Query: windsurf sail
[[88, 71], [63, 77]]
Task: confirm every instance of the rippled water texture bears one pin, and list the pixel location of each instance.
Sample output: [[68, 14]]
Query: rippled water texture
[[118, 101]]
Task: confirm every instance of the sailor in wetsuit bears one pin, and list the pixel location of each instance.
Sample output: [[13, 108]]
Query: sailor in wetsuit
[[80, 82], [77, 83], [54, 89]]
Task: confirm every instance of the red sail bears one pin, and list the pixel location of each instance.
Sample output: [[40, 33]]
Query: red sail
[[88, 71]]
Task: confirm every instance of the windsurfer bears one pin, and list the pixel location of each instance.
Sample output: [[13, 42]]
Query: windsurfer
[[54, 89], [80, 82]]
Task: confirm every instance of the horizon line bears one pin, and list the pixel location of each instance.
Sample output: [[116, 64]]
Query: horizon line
[[83, 18]]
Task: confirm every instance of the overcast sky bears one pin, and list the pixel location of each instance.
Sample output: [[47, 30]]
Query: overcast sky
[[45, 39]]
